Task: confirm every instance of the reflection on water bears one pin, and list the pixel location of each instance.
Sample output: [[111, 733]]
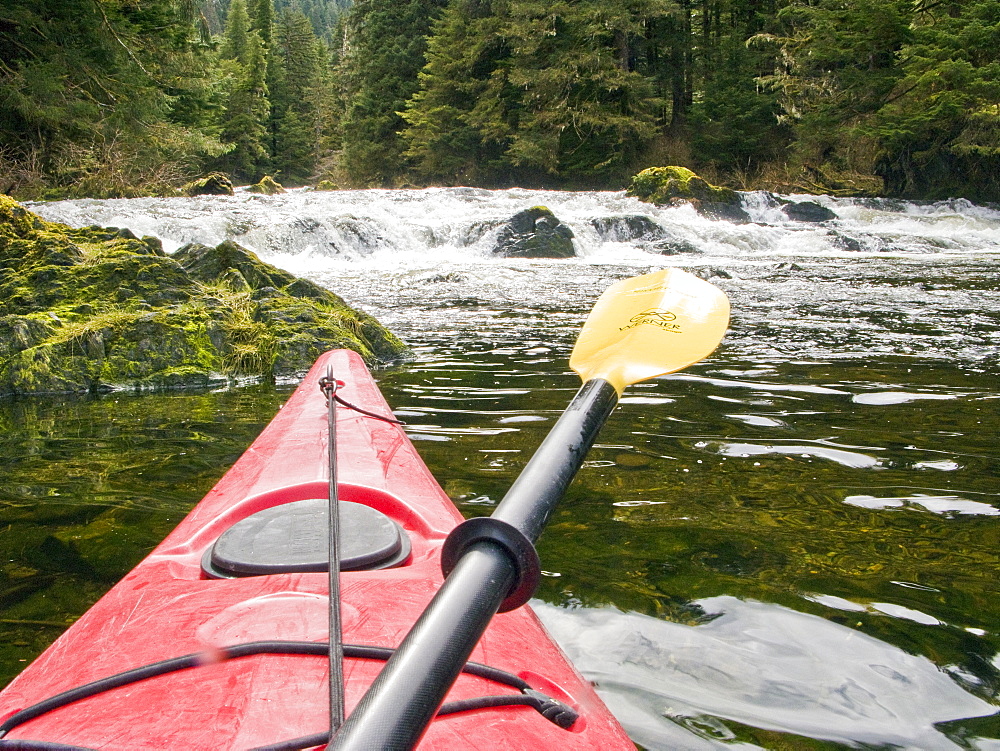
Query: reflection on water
[[819, 572], [794, 544], [88, 486], [741, 664]]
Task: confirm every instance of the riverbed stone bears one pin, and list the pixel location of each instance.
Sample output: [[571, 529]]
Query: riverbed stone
[[807, 211], [96, 309], [212, 184], [627, 227], [664, 186], [534, 233], [267, 186]]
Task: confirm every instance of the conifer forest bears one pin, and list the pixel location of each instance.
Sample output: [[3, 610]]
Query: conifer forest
[[116, 97]]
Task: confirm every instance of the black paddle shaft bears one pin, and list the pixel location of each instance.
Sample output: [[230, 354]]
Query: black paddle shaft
[[395, 711]]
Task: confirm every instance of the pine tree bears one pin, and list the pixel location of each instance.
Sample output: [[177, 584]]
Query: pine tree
[[734, 123], [840, 65], [235, 40], [584, 112], [446, 135], [261, 14], [246, 116], [386, 44], [295, 103], [533, 92], [100, 96], [939, 130]]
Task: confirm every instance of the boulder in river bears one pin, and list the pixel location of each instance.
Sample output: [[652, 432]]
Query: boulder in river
[[213, 184], [97, 309], [807, 211], [671, 185], [534, 233], [650, 235], [267, 186], [627, 228]]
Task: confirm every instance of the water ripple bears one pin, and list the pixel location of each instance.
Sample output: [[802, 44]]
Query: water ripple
[[752, 663]]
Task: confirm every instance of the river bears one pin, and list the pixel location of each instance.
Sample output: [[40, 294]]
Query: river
[[792, 544]]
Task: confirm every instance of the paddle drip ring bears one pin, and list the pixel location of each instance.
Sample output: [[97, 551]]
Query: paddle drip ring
[[528, 568]]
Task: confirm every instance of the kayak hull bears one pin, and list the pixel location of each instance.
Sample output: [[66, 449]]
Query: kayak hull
[[167, 607]]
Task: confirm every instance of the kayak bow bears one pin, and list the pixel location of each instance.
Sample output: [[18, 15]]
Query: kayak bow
[[219, 638], [249, 651]]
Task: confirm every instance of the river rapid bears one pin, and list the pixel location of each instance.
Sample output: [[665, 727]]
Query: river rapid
[[792, 544]]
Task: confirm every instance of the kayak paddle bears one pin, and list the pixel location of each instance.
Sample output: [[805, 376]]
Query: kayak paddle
[[640, 328]]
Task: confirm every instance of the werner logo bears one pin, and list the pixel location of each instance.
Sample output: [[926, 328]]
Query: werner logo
[[664, 319]]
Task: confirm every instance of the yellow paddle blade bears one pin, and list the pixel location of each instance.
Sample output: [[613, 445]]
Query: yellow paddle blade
[[649, 326]]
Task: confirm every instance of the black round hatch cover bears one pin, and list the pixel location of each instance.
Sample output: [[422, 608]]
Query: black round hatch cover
[[292, 538]]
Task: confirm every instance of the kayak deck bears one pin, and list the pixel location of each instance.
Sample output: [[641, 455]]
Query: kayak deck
[[168, 607]]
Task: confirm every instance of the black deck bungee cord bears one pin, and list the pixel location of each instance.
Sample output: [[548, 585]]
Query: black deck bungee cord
[[552, 709], [326, 384]]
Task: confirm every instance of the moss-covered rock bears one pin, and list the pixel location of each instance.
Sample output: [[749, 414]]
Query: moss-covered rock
[[534, 233], [661, 185], [213, 184], [267, 186], [669, 185], [97, 308]]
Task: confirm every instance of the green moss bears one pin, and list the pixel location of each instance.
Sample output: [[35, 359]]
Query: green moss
[[267, 186], [213, 184], [97, 308], [661, 185]]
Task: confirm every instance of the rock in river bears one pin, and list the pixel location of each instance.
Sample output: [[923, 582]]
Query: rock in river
[[95, 309], [534, 233]]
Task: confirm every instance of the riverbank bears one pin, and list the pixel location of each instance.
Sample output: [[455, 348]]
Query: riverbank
[[97, 309]]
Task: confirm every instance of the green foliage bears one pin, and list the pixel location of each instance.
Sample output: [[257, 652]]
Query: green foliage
[[529, 92], [115, 98], [907, 90], [734, 124], [939, 133], [294, 102], [387, 45], [244, 122], [448, 136], [236, 40], [91, 90]]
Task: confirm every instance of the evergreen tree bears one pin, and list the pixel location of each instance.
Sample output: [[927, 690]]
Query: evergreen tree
[[540, 91], [447, 136], [386, 44], [669, 61], [840, 65], [104, 94], [734, 122], [262, 20], [938, 131], [583, 112], [246, 116], [235, 39], [295, 103]]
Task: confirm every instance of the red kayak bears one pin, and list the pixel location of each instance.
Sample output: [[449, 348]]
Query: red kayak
[[218, 639]]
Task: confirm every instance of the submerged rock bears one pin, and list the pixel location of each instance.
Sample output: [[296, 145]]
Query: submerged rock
[[534, 233], [670, 185], [628, 227], [97, 308], [651, 236]]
